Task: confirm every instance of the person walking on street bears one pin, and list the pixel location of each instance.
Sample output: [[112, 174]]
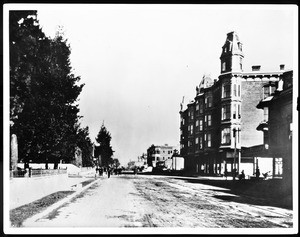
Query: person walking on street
[[242, 176], [108, 172], [257, 173], [225, 173]]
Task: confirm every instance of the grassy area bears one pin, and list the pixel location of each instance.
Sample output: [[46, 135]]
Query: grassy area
[[84, 183], [20, 214]]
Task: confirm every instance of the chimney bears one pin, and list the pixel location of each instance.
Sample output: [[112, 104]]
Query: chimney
[[281, 66], [256, 68]]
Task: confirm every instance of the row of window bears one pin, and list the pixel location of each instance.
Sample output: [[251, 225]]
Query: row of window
[[163, 151], [226, 111], [208, 100], [226, 114], [200, 142], [226, 91], [199, 124], [226, 139], [159, 158]]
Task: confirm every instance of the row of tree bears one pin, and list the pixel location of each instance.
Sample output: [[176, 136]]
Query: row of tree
[[43, 95]]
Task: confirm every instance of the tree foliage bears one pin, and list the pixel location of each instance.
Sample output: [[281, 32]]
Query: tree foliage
[[86, 146], [43, 93], [104, 149]]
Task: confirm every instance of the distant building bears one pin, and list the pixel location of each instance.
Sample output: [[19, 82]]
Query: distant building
[[142, 160], [221, 121], [158, 153]]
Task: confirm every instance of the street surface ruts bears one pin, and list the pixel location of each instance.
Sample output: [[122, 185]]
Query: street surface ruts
[[156, 201]]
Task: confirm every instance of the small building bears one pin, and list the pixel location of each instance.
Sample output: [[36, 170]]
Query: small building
[[277, 126]]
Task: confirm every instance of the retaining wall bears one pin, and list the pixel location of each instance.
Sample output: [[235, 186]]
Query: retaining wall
[[26, 190]]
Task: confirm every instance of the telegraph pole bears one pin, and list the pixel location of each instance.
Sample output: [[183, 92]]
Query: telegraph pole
[[234, 154], [234, 157]]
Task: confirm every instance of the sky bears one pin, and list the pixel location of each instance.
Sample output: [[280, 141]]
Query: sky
[[138, 61]]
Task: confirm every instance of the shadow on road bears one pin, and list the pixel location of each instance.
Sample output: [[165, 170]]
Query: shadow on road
[[263, 192]]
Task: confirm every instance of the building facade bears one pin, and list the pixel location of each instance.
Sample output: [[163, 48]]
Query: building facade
[[222, 119], [277, 126], [158, 153]]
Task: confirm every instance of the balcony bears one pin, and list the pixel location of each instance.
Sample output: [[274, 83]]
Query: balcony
[[264, 102], [263, 126]]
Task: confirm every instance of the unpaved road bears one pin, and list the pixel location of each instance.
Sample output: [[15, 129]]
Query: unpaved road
[[154, 201]]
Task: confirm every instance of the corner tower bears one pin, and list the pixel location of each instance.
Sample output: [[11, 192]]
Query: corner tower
[[232, 54]]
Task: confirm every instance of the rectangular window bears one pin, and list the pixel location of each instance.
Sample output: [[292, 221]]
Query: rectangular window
[[226, 111], [200, 143], [208, 140], [226, 90], [201, 107], [197, 122], [197, 107], [209, 120], [223, 66], [239, 90], [266, 114], [201, 125], [208, 102], [273, 88], [266, 91], [239, 111], [192, 115], [196, 140], [234, 115], [234, 90], [226, 136], [192, 129]]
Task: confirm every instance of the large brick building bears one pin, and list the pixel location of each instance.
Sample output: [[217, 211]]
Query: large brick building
[[222, 119]]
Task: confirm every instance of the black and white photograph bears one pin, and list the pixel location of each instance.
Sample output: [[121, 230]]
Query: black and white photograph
[[150, 119]]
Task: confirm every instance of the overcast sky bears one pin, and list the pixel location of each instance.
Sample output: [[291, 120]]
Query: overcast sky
[[138, 61]]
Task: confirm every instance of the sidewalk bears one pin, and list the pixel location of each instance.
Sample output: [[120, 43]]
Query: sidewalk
[[30, 221], [27, 190]]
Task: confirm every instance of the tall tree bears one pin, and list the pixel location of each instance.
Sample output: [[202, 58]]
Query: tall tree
[[43, 92], [86, 146], [104, 149], [116, 163]]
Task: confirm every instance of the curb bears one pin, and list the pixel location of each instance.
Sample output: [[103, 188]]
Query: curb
[[30, 221]]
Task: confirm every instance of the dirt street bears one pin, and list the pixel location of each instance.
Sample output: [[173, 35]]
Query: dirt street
[[155, 201]]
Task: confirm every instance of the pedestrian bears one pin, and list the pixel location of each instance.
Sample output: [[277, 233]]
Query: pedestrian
[[234, 173], [108, 172], [257, 173], [225, 173], [242, 176]]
